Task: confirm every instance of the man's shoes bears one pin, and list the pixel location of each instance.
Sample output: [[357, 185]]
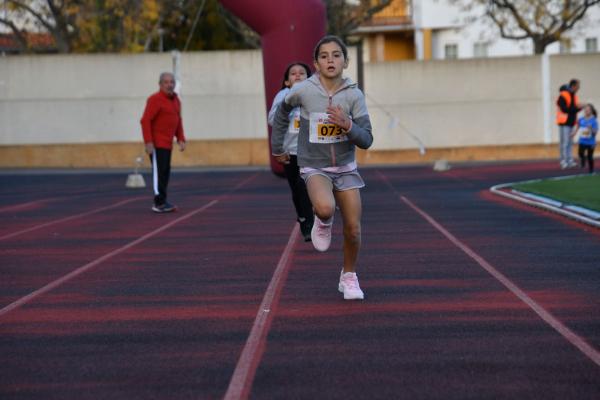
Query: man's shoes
[[350, 287], [572, 164], [164, 208], [321, 234], [306, 225]]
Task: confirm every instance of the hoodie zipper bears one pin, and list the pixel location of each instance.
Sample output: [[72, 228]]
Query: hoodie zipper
[[331, 147], [330, 96]]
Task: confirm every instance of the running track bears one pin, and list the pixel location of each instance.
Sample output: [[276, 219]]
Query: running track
[[468, 296]]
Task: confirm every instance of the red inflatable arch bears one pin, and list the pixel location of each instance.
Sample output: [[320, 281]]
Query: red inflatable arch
[[289, 29]]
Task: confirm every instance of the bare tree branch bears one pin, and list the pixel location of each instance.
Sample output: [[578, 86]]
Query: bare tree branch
[[542, 21], [364, 14], [53, 18], [19, 36], [39, 17]]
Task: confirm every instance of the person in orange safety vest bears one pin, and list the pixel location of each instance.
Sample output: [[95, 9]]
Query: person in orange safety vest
[[567, 107]]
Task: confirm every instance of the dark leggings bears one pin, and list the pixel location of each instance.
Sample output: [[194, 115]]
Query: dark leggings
[[299, 193], [583, 149]]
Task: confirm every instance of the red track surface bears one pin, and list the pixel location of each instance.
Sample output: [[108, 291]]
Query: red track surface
[[145, 306]]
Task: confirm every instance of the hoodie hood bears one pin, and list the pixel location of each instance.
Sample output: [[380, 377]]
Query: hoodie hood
[[346, 83]]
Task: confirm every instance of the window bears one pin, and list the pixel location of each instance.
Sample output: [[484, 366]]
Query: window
[[565, 46], [451, 51], [591, 45], [480, 49]]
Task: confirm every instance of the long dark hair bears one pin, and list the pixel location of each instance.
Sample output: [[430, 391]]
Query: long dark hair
[[287, 72], [593, 110]]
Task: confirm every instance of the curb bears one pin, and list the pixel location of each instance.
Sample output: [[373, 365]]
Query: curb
[[581, 214]]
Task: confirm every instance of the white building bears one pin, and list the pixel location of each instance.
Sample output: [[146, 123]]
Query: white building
[[443, 29]]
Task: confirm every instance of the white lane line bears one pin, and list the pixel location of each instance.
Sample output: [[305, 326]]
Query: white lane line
[[65, 219], [23, 300], [568, 334], [18, 303], [245, 370], [17, 207]]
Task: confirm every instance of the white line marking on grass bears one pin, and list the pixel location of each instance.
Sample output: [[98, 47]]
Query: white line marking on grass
[[581, 217], [90, 265], [245, 370], [57, 221], [568, 334]]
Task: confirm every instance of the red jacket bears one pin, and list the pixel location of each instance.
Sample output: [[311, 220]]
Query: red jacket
[[162, 120]]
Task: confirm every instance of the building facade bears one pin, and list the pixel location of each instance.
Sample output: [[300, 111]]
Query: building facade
[[443, 29]]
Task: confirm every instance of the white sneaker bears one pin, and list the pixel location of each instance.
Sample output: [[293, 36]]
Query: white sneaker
[[350, 287], [321, 234]]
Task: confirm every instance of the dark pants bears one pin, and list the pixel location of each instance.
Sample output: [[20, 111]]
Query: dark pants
[[299, 194], [586, 152], [161, 171]]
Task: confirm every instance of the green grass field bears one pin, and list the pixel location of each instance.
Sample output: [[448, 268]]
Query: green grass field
[[581, 190]]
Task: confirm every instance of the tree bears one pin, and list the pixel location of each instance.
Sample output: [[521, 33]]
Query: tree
[[205, 25], [96, 25], [219, 29], [55, 17], [344, 16], [542, 21], [117, 25], [155, 25]]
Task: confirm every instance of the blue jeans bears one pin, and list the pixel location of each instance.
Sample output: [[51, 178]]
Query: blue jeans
[[566, 144]]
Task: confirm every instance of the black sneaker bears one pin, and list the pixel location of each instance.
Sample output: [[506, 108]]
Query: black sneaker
[[305, 228], [163, 208]]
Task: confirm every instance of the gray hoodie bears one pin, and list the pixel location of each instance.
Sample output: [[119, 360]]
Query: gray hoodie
[[320, 145]]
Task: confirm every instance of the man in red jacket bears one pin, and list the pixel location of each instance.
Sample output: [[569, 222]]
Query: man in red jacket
[[160, 123]]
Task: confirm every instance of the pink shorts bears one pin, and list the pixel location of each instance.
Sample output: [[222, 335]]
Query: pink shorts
[[340, 181]]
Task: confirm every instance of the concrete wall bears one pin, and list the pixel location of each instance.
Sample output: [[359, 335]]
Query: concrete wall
[[100, 98], [456, 103], [75, 99], [585, 67], [223, 95], [86, 100]]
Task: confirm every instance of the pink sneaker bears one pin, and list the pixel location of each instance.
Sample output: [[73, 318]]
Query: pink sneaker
[[350, 287], [321, 234]]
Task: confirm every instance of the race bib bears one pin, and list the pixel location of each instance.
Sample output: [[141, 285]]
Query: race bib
[[322, 131], [585, 133], [294, 122]]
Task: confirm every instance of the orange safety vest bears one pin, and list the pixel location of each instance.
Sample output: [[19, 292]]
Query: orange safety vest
[[561, 117]]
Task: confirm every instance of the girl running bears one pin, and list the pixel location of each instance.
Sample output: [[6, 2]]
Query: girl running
[[294, 73], [333, 120], [587, 126]]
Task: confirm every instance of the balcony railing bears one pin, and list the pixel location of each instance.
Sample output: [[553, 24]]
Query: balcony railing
[[399, 12]]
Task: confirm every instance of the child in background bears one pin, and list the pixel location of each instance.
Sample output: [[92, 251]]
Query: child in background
[[587, 127], [295, 72], [333, 121]]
